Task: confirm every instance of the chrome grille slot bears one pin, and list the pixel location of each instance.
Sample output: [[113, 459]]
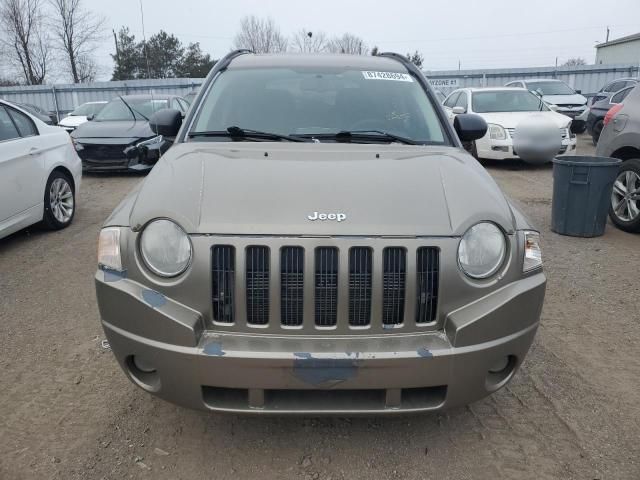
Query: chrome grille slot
[[291, 285], [393, 285], [223, 281], [427, 271], [326, 286], [360, 280], [257, 284]]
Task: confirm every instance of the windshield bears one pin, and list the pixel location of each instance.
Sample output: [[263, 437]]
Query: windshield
[[88, 109], [506, 101], [551, 88], [142, 107], [309, 101]]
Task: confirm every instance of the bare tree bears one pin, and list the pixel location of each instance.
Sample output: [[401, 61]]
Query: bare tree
[[348, 43], [77, 33], [86, 68], [308, 42], [575, 61], [25, 39], [260, 36]]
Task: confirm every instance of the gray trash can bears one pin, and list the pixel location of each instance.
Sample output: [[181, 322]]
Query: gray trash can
[[582, 194]]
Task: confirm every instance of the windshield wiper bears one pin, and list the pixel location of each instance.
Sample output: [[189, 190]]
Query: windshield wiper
[[132, 110], [348, 135], [242, 133]]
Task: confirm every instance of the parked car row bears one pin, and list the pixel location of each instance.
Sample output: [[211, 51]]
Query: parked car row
[[504, 109]]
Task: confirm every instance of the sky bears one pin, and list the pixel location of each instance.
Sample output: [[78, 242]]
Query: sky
[[474, 34]]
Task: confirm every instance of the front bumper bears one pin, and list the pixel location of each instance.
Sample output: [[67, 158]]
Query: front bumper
[[335, 374], [503, 149], [119, 158]]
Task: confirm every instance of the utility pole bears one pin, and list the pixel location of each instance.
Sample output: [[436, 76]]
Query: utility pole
[[607, 34], [459, 64]]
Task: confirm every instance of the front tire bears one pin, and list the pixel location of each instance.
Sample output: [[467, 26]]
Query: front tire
[[625, 198], [59, 202]]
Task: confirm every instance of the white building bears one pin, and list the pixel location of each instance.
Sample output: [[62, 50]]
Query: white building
[[625, 50]]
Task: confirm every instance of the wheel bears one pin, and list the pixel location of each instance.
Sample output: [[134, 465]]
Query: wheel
[[59, 202], [625, 199]]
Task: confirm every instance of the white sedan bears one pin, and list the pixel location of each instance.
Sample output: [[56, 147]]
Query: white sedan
[[40, 173], [80, 115], [503, 109]]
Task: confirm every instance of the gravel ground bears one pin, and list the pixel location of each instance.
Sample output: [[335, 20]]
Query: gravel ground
[[68, 412]]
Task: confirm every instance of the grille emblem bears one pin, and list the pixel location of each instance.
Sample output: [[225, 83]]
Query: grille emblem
[[338, 217]]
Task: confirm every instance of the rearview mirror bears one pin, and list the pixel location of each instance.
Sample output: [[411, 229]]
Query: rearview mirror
[[469, 127], [578, 91], [458, 110], [90, 117], [166, 122]]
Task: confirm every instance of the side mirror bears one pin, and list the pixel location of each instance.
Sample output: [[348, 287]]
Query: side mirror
[[578, 91], [90, 117], [470, 127], [458, 110], [166, 122], [553, 108]]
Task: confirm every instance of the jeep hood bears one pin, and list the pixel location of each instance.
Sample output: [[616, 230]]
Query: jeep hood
[[271, 189]]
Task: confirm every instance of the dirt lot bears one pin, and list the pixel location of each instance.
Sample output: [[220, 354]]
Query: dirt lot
[[67, 411]]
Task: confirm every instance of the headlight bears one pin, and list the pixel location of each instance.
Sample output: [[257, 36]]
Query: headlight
[[154, 142], [77, 145], [482, 250], [496, 132], [109, 249], [532, 251], [165, 248]]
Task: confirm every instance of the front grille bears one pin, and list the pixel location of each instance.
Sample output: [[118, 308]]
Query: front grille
[[223, 282], [393, 285], [564, 132], [257, 280], [428, 267], [307, 292], [104, 154], [326, 286], [360, 276], [291, 285]]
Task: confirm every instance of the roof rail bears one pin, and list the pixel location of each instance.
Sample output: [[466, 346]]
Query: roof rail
[[226, 60], [403, 60]]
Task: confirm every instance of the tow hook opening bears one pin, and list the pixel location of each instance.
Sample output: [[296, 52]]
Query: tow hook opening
[[501, 372], [143, 373]]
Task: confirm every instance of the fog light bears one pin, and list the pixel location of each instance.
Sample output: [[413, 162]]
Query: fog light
[[500, 372], [500, 365], [143, 373], [142, 365]]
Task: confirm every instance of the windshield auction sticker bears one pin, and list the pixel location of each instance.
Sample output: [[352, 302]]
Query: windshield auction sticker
[[397, 77]]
